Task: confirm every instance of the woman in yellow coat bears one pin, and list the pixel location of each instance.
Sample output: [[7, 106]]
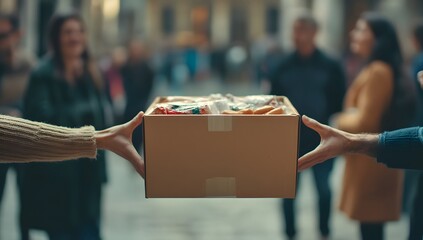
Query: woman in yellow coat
[[371, 192]]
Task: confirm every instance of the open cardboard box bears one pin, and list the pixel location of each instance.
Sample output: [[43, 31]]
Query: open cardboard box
[[242, 156]]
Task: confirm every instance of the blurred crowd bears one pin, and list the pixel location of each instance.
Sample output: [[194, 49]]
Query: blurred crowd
[[370, 90]]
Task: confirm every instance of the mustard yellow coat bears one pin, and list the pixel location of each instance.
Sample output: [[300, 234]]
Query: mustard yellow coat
[[371, 192]]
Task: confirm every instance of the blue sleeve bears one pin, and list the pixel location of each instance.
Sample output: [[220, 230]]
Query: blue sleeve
[[401, 148], [417, 66]]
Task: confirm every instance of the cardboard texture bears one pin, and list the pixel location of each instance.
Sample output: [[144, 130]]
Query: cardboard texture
[[243, 156]]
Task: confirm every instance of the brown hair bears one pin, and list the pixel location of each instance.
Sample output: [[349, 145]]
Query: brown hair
[[55, 27]]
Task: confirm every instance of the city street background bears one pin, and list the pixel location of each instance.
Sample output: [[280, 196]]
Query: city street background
[[199, 47], [129, 216]]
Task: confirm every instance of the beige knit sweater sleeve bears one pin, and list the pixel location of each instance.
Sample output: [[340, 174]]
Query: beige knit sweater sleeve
[[26, 141]]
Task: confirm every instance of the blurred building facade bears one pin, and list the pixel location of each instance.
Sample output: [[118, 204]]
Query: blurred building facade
[[217, 22], [220, 22], [107, 21]]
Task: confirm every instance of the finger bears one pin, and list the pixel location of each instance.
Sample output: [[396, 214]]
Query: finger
[[304, 162], [420, 75], [136, 121], [313, 124], [310, 159]]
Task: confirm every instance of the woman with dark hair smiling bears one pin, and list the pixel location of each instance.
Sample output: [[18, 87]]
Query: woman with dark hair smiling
[[375, 103], [66, 89]]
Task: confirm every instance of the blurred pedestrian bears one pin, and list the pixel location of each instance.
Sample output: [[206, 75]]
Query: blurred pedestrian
[[14, 71], [66, 89], [375, 102], [266, 53], [114, 80], [315, 83], [138, 77], [416, 217], [218, 62]]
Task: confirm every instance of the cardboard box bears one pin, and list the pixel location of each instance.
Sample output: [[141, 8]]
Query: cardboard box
[[243, 156]]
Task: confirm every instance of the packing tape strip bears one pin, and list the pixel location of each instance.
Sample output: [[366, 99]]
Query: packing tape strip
[[220, 123], [221, 187]]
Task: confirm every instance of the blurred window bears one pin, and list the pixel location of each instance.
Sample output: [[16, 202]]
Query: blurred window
[[309, 4], [45, 11], [168, 19], [272, 20], [77, 4], [200, 20], [127, 20], [19, 6], [238, 24], [420, 6]]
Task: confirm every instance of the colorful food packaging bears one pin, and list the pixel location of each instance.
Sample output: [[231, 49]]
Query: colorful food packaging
[[219, 104]]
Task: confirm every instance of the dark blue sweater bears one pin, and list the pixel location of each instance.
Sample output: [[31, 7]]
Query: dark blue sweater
[[402, 148]]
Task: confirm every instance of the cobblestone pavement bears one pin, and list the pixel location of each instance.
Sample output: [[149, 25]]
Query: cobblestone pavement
[[129, 216]]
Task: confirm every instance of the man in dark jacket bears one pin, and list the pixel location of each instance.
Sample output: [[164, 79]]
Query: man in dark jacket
[[138, 79], [315, 84]]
